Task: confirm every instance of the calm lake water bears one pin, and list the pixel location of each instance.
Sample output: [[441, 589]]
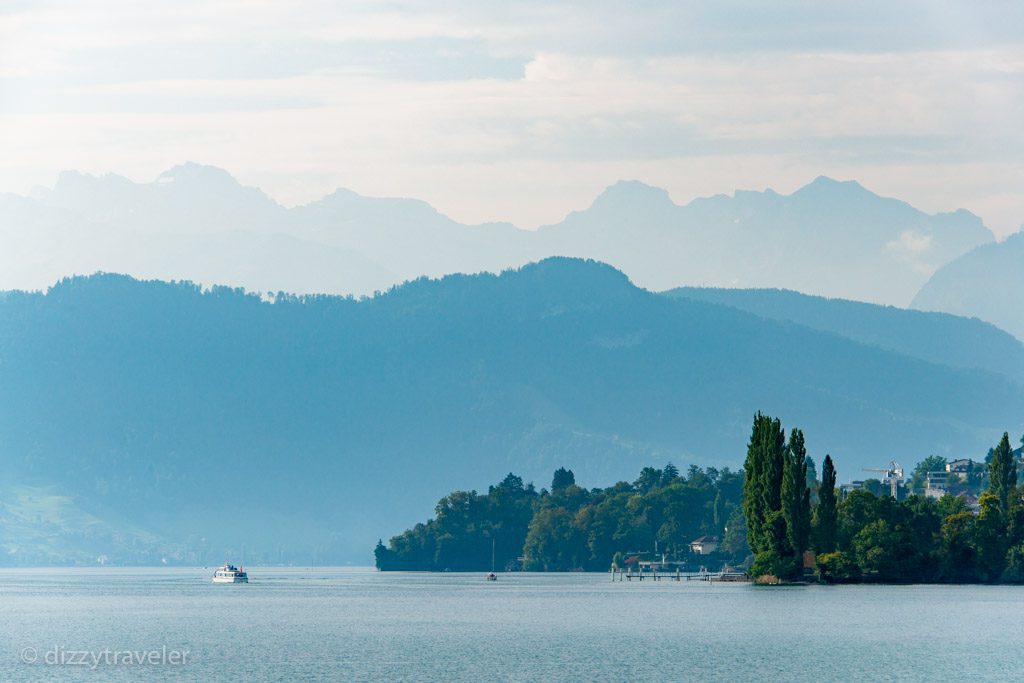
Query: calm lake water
[[350, 624]]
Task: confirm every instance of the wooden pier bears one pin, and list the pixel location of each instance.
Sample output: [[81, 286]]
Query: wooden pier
[[678, 575]]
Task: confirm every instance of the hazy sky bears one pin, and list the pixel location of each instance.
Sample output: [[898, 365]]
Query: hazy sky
[[523, 111]]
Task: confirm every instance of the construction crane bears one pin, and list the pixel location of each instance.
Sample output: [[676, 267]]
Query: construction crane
[[893, 475]]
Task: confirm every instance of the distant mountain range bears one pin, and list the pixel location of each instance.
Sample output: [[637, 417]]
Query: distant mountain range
[[151, 421], [986, 283], [197, 223], [934, 337]]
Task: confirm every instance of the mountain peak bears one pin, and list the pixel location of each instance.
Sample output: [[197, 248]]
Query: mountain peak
[[356, 206], [572, 269], [191, 172], [631, 193], [824, 186], [73, 180]]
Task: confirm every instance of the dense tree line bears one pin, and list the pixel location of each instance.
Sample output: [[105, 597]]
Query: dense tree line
[[871, 537], [767, 517], [568, 527]]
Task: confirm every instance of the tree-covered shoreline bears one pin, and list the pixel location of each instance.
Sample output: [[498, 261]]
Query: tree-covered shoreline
[[773, 518], [570, 528]]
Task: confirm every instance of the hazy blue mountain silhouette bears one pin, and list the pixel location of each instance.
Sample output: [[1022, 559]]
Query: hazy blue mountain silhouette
[[306, 428], [934, 337], [194, 223], [986, 283], [831, 238], [190, 196]]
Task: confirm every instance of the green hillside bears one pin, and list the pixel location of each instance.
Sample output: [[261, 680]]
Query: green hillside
[[303, 429]]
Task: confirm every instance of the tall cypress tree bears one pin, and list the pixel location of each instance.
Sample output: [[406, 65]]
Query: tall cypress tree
[[1002, 473], [774, 449], [825, 514], [796, 498], [753, 481], [764, 468]]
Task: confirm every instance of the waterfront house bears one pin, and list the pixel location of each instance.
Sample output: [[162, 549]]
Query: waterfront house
[[705, 545]]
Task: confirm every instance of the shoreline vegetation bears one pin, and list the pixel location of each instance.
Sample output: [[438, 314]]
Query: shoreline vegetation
[[774, 519]]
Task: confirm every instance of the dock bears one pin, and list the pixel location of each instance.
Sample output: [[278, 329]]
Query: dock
[[678, 575]]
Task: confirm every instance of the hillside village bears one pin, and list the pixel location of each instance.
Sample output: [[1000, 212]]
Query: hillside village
[[934, 477]]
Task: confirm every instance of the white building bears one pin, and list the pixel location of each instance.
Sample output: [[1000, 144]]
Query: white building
[[705, 545], [959, 466]]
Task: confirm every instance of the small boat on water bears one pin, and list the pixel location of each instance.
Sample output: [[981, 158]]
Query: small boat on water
[[229, 573], [492, 576]]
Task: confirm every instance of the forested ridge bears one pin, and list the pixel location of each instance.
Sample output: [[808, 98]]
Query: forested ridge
[[765, 516], [160, 409]]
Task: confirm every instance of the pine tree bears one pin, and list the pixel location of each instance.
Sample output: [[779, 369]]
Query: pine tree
[[669, 474], [562, 479], [1002, 472], [825, 514]]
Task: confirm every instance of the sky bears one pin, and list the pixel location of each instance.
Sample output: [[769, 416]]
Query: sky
[[523, 111]]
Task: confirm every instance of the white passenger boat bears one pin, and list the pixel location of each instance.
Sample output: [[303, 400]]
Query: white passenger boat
[[229, 573]]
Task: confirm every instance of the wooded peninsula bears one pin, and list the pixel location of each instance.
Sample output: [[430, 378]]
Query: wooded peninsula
[[775, 519]]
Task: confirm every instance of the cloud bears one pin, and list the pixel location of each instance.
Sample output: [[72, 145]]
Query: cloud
[[523, 111], [910, 243]]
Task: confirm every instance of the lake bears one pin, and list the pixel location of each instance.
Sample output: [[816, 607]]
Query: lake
[[357, 624]]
